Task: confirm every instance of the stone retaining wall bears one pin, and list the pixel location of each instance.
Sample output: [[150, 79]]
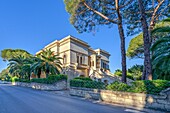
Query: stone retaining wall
[[161, 102], [60, 85]]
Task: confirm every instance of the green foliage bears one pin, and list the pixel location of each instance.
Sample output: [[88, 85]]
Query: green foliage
[[87, 84], [119, 73], [146, 86], [136, 71], [24, 80], [4, 73], [7, 54], [48, 62], [135, 49], [84, 78], [149, 87], [133, 18], [14, 79], [15, 66], [117, 86], [161, 54], [54, 78], [85, 20], [50, 80], [39, 80]]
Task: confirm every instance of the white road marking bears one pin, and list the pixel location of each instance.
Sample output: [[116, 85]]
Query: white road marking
[[133, 111]]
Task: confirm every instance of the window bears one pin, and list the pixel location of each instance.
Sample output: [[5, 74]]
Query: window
[[92, 63], [104, 65], [64, 59], [81, 60], [77, 59], [106, 82], [107, 66], [89, 61]]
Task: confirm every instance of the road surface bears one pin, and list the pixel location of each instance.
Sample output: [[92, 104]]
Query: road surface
[[15, 99]]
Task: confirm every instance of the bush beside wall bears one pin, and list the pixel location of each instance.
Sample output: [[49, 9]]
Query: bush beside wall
[[50, 80], [145, 86], [86, 83], [83, 78]]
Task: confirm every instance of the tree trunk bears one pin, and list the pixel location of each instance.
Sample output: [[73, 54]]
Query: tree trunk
[[147, 71], [39, 73], [29, 75], [144, 72], [122, 38], [47, 73]]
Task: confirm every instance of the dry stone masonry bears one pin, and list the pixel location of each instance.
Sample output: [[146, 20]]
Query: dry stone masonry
[[160, 102], [60, 85]]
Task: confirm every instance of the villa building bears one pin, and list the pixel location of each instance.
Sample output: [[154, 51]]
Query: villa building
[[79, 59]]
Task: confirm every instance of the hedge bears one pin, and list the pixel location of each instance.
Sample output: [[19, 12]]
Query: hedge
[[145, 86], [117, 86], [87, 84], [84, 78], [50, 80]]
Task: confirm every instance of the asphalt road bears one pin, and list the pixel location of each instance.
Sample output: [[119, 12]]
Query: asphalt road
[[15, 99]]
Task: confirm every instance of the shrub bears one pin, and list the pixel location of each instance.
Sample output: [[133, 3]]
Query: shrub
[[84, 78], [146, 86], [24, 80], [55, 78], [119, 73], [118, 86], [14, 79], [39, 80], [150, 87], [87, 84], [50, 80]]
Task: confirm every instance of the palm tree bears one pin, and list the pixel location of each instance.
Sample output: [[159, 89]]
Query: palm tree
[[15, 66], [48, 62], [26, 68], [161, 53], [20, 66]]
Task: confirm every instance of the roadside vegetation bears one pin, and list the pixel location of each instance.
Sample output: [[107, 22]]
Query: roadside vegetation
[[51, 79], [139, 86], [148, 20], [24, 66], [86, 83], [134, 73]]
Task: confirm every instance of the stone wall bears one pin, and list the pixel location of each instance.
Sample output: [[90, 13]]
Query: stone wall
[[160, 102], [61, 85]]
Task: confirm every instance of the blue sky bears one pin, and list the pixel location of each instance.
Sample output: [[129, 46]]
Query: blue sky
[[32, 24]]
